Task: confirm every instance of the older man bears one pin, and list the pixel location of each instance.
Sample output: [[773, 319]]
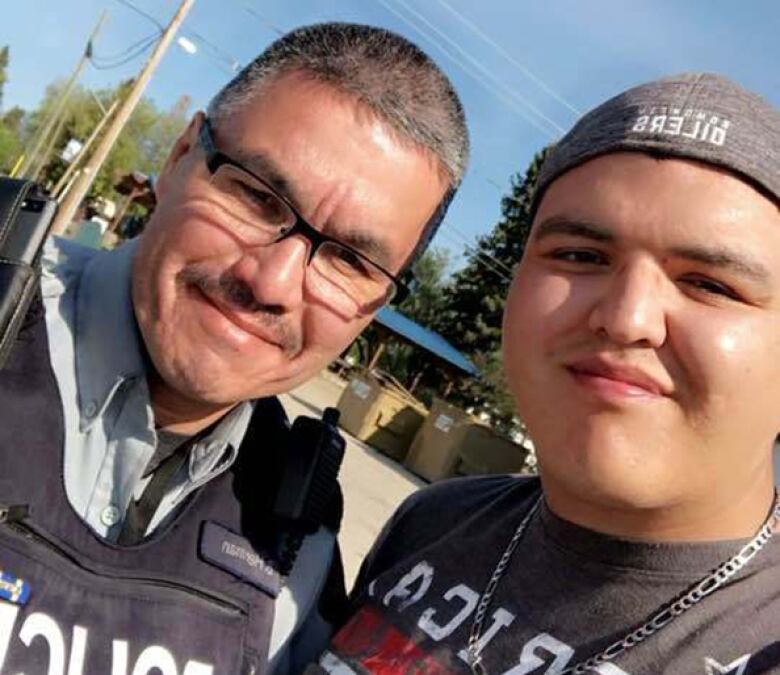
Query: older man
[[142, 448], [641, 341]]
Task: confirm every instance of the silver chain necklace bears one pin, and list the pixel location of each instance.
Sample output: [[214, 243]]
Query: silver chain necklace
[[692, 596]]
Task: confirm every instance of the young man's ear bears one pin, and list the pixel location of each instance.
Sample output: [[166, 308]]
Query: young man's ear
[[185, 143]]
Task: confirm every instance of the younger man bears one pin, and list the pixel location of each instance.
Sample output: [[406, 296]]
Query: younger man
[[641, 338]]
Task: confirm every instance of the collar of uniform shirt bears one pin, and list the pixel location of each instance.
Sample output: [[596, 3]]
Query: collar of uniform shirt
[[108, 345], [109, 353]]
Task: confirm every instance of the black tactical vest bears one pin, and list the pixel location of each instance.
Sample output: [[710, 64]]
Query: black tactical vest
[[195, 598]]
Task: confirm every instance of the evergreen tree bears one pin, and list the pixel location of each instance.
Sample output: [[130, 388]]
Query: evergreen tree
[[474, 302]]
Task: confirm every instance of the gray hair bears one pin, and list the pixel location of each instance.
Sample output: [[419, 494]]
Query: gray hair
[[383, 71]]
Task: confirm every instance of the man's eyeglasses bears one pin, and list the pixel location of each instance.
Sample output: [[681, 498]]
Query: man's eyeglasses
[[342, 276]]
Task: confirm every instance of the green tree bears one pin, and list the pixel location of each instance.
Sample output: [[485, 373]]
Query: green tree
[[10, 122], [142, 145], [4, 57], [425, 301], [402, 361], [10, 148], [474, 302]]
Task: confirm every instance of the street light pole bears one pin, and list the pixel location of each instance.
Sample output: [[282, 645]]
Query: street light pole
[[81, 186]]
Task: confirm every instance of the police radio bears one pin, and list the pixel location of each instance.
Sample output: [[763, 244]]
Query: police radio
[[25, 218], [308, 491]]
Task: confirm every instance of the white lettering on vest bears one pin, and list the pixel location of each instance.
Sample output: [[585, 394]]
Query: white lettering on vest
[[461, 591], [119, 650], [41, 625], [78, 646], [155, 658], [8, 615], [422, 574], [198, 668]]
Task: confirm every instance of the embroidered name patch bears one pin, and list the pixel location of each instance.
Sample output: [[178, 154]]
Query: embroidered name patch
[[234, 554]]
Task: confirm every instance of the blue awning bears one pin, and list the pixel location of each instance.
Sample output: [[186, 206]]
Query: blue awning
[[432, 342]]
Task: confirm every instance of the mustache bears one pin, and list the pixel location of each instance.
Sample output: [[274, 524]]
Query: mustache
[[226, 289]]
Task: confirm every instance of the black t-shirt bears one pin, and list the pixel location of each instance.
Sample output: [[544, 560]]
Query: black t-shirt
[[567, 593]]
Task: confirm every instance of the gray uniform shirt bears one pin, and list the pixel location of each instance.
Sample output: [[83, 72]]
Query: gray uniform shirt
[[111, 445], [567, 593]]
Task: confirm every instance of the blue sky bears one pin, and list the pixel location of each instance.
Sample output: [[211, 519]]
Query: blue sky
[[520, 56]]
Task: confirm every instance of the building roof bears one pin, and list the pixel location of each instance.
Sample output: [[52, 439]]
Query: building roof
[[413, 332]]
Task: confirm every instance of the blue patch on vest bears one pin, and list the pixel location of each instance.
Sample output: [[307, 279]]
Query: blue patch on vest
[[13, 589], [233, 553]]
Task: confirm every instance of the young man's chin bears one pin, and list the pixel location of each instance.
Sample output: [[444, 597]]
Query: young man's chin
[[613, 474]]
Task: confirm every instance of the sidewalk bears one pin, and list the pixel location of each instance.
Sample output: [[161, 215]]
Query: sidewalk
[[373, 484]]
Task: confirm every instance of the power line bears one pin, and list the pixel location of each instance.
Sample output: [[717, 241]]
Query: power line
[[531, 76], [222, 56], [483, 69], [146, 15], [488, 179], [124, 52], [508, 95], [141, 48], [248, 9], [449, 226], [477, 256], [467, 69]]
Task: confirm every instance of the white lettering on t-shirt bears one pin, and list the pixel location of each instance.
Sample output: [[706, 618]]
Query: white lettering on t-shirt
[[530, 660], [500, 619], [422, 575], [736, 667], [462, 592]]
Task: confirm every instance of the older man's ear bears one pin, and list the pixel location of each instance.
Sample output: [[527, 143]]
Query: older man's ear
[[182, 150]]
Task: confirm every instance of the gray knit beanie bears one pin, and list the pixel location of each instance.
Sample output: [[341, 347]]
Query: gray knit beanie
[[697, 116]]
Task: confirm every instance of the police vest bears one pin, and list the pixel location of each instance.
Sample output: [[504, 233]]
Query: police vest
[[194, 598]]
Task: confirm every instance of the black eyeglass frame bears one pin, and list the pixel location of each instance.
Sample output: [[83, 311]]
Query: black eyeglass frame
[[215, 158]]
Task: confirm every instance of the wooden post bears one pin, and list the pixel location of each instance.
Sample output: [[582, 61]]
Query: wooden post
[[377, 354], [82, 184], [32, 157], [416, 380]]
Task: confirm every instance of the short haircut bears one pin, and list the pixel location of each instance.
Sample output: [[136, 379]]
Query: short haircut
[[382, 71], [385, 72]]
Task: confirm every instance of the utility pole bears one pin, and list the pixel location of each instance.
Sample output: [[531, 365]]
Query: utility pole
[[82, 184], [57, 191], [58, 108]]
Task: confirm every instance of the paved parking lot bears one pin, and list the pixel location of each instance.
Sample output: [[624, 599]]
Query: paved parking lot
[[373, 484]]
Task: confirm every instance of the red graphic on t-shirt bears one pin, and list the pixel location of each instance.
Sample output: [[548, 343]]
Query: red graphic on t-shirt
[[370, 642]]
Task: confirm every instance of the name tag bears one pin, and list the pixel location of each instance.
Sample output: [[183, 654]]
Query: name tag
[[234, 554]]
